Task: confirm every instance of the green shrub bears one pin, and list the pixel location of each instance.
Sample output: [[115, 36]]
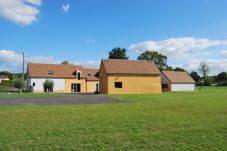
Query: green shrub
[[4, 88], [48, 86], [19, 84], [7, 83]]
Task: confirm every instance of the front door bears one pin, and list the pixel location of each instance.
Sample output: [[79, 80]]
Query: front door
[[76, 87]]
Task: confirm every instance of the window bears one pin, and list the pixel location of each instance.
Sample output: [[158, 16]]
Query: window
[[165, 86], [97, 87], [78, 75], [33, 84], [50, 72], [118, 84]]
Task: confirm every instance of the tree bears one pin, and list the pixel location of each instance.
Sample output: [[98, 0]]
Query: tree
[[195, 76], [179, 69], [204, 70], [118, 53], [65, 62], [48, 86], [6, 73], [208, 81], [159, 59], [221, 77], [19, 84], [168, 68]]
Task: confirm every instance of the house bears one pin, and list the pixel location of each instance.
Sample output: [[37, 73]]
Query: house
[[3, 77], [177, 81], [66, 78], [118, 76]]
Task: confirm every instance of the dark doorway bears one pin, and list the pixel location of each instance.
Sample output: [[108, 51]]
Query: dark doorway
[[76, 87]]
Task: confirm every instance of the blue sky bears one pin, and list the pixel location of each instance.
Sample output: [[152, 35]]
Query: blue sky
[[188, 32]]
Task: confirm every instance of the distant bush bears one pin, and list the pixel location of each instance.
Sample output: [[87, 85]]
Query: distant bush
[[7, 83], [222, 84], [208, 81], [4, 88]]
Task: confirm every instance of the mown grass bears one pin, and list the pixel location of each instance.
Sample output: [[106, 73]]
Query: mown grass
[[172, 121], [24, 95]]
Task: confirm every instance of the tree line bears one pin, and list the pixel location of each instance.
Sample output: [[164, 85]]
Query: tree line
[[161, 61]]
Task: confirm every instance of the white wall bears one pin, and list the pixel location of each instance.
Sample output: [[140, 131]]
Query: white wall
[[59, 84], [182, 87], [3, 79]]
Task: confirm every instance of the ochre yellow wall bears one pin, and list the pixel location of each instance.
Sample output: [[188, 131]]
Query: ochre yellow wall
[[103, 80], [55, 91], [91, 86], [86, 86], [68, 83], [135, 84]]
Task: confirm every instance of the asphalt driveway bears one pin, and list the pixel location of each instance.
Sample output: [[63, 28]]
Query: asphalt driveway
[[77, 99]]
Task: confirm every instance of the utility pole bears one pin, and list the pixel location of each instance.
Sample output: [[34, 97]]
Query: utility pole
[[23, 65]]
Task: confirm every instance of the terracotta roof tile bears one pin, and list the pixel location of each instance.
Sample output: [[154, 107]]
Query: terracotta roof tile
[[178, 77], [60, 71], [121, 66]]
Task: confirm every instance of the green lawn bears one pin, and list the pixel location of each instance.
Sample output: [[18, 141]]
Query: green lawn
[[172, 121], [24, 95]]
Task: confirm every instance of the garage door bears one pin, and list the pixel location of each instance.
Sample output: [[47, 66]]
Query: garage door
[[182, 87]]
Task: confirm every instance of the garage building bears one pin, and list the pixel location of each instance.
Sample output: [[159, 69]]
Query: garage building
[[177, 81]]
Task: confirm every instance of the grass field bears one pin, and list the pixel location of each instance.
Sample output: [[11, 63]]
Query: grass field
[[24, 95], [172, 121]]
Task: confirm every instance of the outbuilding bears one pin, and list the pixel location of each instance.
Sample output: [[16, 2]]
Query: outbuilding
[[119, 76], [3, 78], [177, 81]]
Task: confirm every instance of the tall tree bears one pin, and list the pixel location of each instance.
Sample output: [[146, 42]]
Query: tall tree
[[65, 62], [179, 69], [204, 70], [118, 53], [221, 77], [195, 76], [159, 59]]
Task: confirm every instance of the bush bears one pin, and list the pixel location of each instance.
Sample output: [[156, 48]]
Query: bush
[[208, 82], [48, 86], [4, 88], [224, 83], [7, 83], [19, 84]]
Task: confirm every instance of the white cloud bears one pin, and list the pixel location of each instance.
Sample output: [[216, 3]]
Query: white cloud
[[11, 57], [12, 61], [22, 12], [188, 52], [91, 64], [224, 53], [65, 7], [34, 2]]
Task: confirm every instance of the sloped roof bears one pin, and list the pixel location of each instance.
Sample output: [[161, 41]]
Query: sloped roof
[[178, 77], [122, 66], [60, 71]]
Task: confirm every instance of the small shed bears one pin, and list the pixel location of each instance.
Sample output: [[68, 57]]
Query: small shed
[[177, 81], [3, 77]]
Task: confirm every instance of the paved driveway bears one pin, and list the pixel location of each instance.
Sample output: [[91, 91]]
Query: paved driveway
[[77, 99]]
